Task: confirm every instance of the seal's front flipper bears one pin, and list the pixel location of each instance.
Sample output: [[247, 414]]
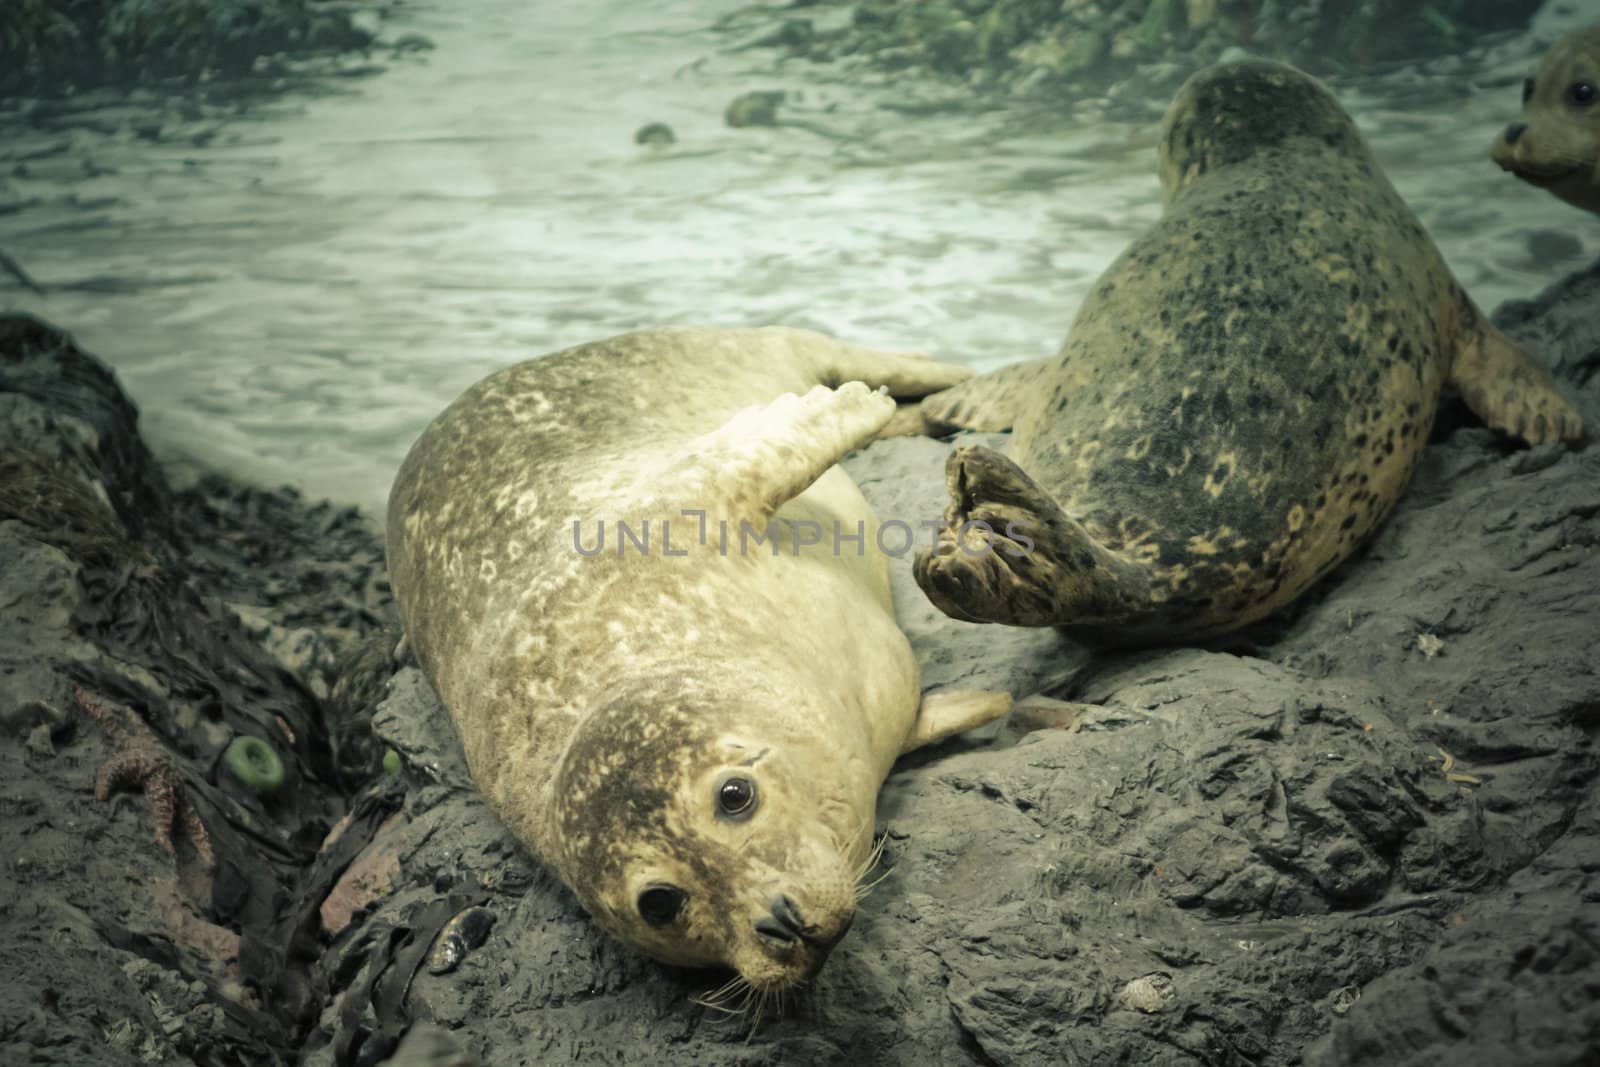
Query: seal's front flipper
[[989, 403], [906, 375], [1511, 391], [1009, 554], [767, 454], [953, 711]]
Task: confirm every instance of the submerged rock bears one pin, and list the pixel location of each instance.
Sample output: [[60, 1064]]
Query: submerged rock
[[1027, 47], [655, 135], [756, 108], [52, 48]]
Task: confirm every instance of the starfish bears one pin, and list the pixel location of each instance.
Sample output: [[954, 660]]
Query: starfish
[[141, 760]]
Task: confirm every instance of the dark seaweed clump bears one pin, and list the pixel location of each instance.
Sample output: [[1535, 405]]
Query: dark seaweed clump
[[149, 630], [55, 47], [1047, 46]]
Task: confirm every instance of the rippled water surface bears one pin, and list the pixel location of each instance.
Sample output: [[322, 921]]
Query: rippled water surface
[[294, 293]]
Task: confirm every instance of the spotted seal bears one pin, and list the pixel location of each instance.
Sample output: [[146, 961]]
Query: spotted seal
[[1555, 144], [655, 611], [1243, 396]]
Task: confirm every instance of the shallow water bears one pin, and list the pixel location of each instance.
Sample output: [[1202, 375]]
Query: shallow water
[[295, 297]]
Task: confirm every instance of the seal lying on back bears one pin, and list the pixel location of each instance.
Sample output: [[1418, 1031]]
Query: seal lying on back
[[1242, 398], [1556, 143], [688, 720]]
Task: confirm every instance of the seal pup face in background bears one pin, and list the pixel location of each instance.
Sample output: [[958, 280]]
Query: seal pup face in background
[[1233, 112], [704, 845], [1555, 144]]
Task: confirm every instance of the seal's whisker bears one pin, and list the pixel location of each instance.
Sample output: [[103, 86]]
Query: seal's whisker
[[707, 1002], [723, 992], [719, 997], [866, 888], [873, 859], [873, 856], [739, 988], [761, 997], [728, 986]]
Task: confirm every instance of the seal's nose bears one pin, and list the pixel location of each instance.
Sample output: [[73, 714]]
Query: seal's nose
[[1514, 131], [786, 925]]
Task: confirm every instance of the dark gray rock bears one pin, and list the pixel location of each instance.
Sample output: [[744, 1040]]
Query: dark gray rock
[[50, 48], [117, 949], [1139, 48], [1365, 832]]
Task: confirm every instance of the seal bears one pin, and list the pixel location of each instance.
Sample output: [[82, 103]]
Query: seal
[[1242, 397], [654, 609], [1556, 143]]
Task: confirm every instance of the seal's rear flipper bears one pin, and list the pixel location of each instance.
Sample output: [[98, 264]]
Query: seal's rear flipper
[[989, 403], [1511, 391], [953, 711], [767, 454], [1009, 554], [906, 422]]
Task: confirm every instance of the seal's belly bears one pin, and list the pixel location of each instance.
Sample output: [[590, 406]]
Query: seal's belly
[[834, 510]]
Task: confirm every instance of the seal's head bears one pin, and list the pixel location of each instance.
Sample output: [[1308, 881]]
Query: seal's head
[[1232, 112], [1555, 144], [704, 843]]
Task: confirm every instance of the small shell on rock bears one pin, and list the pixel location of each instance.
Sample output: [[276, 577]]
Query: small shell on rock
[[460, 936], [1149, 994]]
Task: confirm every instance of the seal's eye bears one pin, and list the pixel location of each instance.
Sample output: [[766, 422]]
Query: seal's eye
[[1527, 89], [660, 904], [736, 798], [1582, 94]]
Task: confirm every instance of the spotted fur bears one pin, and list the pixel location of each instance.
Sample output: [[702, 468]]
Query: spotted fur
[[1243, 396], [602, 698]]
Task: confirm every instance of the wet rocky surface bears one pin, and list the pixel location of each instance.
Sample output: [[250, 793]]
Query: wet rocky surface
[[53, 48], [146, 627], [1138, 50], [1366, 832]]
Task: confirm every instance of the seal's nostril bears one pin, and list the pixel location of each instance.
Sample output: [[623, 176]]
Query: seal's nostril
[[787, 912], [776, 930], [1515, 131]]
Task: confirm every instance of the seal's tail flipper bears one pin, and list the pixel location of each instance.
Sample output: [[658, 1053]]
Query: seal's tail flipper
[[769, 453], [1009, 554], [953, 711], [1511, 390], [989, 403]]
